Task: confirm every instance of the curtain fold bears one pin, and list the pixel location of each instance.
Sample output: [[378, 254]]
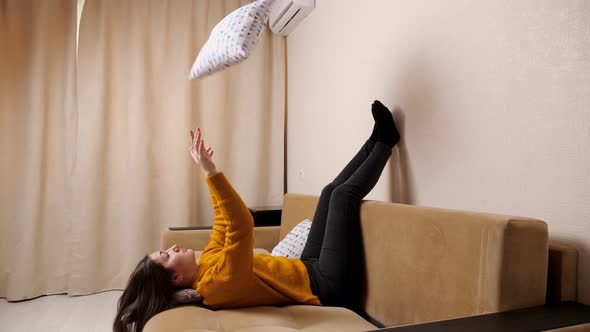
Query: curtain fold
[[95, 157], [37, 123]]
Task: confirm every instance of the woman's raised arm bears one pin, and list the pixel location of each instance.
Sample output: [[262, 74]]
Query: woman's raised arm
[[203, 157]]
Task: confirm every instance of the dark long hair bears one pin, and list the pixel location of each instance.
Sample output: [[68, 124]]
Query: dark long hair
[[149, 291]]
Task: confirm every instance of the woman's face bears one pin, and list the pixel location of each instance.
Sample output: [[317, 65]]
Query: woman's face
[[181, 260]]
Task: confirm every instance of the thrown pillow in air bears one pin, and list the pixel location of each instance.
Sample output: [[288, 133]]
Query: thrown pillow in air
[[232, 40], [292, 245]]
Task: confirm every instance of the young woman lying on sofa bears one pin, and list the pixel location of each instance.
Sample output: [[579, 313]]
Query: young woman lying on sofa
[[228, 275]]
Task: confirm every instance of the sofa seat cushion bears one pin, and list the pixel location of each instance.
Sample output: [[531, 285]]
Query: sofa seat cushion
[[264, 318]]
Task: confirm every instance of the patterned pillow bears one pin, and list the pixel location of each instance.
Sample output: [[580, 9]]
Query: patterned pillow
[[292, 245], [232, 40], [187, 295]]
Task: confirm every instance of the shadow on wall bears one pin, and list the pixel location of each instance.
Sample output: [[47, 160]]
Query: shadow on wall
[[401, 179], [418, 86]]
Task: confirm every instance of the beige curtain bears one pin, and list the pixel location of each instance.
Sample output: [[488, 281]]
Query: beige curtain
[[79, 211], [133, 172], [37, 123]]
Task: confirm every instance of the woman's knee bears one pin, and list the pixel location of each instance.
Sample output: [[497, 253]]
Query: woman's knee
[[328, 189], [346, 191]]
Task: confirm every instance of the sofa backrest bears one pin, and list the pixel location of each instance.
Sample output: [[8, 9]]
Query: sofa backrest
[[425, 264]]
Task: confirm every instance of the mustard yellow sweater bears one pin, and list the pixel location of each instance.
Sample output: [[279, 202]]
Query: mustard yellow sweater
[[229, 275]]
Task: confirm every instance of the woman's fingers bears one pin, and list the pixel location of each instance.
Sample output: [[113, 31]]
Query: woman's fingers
[[197, 146], [193, 145], [200, 147], [203, 149], [198, 143]]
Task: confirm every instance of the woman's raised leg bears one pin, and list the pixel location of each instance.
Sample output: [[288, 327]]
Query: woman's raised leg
[[316, 233], [340, 261], [380, 132]]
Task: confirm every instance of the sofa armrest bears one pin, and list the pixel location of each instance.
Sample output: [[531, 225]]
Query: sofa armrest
[[562, 273], [198, 237]]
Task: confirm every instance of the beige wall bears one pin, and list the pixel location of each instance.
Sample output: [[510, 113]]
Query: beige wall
[[493, 98]]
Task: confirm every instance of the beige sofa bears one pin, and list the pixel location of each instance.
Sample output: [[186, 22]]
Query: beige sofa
[[421, 265]]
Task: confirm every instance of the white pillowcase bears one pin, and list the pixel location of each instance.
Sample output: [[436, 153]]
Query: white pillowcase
[[232, 40], [292, 245]]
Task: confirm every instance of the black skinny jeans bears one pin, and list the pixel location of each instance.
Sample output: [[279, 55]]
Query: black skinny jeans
[[332, 254]]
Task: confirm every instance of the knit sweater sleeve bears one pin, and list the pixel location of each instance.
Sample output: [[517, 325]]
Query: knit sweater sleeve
[[239, 240], [217, 239]]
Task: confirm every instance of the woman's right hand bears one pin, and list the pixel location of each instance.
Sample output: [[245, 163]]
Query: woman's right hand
[[201, 155]]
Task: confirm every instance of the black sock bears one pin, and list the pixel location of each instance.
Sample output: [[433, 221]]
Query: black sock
[[375, 133], [386, 129]]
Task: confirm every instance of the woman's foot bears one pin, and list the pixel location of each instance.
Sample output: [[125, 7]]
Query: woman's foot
[[387, 132], [375, 134]]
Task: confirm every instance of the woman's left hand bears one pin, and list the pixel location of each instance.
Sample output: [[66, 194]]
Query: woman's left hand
[[201, 155]]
